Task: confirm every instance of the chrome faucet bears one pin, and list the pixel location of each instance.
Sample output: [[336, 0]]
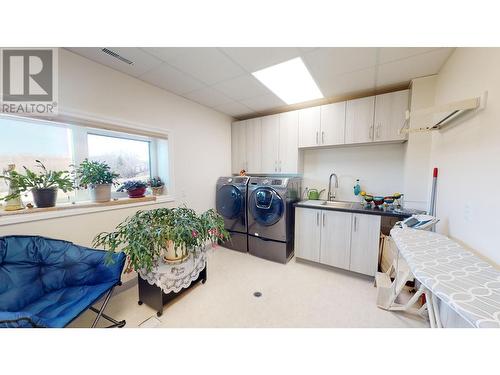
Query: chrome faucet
[[331, 196]]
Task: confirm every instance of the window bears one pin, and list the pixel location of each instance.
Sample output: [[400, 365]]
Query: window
[[130, 158], [22, 141]]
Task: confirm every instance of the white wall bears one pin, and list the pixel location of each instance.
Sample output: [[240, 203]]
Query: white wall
[[200, 144], [468, 154], [379, 168], [201, 137]]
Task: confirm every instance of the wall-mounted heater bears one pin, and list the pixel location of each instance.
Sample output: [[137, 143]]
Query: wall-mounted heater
[[445, 114]]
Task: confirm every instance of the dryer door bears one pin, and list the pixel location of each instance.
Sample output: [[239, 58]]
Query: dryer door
[[230, 203], [266, 206]]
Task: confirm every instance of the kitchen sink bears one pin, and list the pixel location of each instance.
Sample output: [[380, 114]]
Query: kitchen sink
[[337, 204]]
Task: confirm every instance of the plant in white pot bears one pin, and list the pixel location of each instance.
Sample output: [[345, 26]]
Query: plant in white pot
[[44, 185], [163, 234], [98, 178]]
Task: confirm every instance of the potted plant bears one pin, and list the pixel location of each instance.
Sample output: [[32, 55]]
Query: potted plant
[[44, 184], [134, 188], [156, 185], [149, 237], [98, 178]]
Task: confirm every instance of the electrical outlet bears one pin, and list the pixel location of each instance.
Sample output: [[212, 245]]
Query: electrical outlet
[[467, 212]]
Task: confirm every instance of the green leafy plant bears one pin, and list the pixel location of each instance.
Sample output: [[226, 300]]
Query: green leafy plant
[[30, 180], [155, 182], [95, 173], [144, 236], [132, 185]]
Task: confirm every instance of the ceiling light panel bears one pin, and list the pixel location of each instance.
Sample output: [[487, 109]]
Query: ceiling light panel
[[290, 81]]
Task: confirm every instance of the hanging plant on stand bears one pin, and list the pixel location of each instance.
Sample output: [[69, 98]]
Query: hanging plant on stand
[[163, 235]]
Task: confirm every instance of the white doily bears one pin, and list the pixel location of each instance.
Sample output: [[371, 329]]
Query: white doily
[[174, 277]]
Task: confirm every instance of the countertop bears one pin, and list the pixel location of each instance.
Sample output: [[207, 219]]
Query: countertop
[[357, 207]]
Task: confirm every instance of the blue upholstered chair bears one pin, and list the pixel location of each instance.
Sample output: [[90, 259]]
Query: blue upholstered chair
[[48, 283]]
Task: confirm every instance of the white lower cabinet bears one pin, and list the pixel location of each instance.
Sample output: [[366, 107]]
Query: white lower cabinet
[[307, 233], [365, 243], [335, 238], [340, 239]]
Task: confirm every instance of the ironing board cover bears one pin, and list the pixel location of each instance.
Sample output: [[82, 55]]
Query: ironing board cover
[[458, 277]]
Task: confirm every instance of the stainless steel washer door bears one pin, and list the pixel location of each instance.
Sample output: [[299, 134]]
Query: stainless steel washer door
[[230, 203], [266, 214]]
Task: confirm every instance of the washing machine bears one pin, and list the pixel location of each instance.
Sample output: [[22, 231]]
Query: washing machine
[[271, 216], [230, 202]]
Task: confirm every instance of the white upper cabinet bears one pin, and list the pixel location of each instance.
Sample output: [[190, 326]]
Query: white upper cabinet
[[309, 127], [390, 116], [333, 124], [254, 145], [288, 161], [359, 120], [238, 147], [270, 143]]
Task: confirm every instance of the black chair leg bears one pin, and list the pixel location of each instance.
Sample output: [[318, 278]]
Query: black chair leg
[[100, 313]]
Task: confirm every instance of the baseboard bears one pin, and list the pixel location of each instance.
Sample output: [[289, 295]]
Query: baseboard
[[126, 285]]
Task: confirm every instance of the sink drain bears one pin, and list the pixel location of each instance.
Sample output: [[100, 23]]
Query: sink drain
[[257, 294]]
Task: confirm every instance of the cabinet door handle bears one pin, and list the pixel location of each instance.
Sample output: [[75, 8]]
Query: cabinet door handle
[[370, 135], [355, 223], [323, 137], [378, 131], [317, 218], [317, 137], [323, 218]]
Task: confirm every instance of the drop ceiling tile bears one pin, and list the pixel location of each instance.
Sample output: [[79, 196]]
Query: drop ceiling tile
[[142, 61], [209, 65], [307, 49], [387, 54], [264, 102], [166, 53], [243, 87], [349, 82], [256, 58], [413, 67], [171, 79], [208, 96], [234, 109], [326, 63]]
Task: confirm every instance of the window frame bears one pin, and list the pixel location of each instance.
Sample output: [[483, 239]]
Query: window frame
[[82, 124]]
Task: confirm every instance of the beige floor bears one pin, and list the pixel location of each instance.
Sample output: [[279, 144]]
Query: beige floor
[[293, 295]]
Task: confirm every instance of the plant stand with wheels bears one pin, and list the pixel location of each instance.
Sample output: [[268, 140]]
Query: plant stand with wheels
[[167, 281], [154, 297]]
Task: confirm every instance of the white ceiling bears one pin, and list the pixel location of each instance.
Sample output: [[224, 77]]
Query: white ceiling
[[221, 78]]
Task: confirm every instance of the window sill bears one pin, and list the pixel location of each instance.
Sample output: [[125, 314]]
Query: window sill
[[81, 208]]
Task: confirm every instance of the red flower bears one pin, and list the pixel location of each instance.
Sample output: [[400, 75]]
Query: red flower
[[194, 233]]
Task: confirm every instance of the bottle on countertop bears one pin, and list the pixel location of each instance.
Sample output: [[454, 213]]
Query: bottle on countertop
[[357, 188]]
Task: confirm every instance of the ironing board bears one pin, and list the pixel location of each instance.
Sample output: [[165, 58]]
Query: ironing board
[[458, 277]]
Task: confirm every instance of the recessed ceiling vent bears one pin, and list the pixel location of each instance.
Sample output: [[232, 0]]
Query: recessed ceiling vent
[[117, 56]]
